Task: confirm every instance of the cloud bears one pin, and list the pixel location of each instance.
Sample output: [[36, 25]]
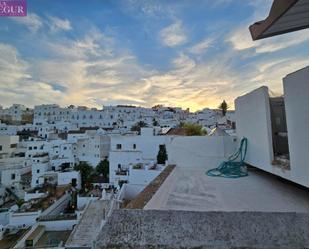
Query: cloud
[[32, 21], [17, 84], [173, 35], [92, 68], [202, 46], [241, 40], [57, 24]]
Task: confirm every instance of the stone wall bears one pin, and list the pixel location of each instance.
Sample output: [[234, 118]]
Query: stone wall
[[180, 229]]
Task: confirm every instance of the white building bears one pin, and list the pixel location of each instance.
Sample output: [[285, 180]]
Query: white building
[[127, 151], [15, 112]]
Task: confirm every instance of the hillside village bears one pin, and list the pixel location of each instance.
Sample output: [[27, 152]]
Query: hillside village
[[162, 177], [76, 150]]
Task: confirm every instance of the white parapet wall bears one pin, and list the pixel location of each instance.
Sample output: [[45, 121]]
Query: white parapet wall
[[296, 93], [130, 191], [23, 219], [253, 120], [200, 151], [59, 225]]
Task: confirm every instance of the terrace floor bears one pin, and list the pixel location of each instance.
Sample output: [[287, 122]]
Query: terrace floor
[[191, 189]]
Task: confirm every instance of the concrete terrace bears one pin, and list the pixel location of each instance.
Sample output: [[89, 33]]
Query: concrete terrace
[[192, 210], [191, 189], [89, 226]]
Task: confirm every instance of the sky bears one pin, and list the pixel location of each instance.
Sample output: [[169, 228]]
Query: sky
[[184, 53]]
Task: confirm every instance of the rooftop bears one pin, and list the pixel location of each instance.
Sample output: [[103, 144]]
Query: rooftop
[[191, 189]]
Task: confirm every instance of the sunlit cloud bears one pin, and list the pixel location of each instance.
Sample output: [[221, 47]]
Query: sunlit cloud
[[101, 60], [173, 35]]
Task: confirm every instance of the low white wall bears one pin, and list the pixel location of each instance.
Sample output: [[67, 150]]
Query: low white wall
[[296, 92], [130, 191], [200, 151], [59, 225], [24, 219], [58, 206], [141, 176], [30, 196]]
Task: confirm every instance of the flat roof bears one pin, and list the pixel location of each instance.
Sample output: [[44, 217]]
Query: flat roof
[[285, 16], [190, 189]]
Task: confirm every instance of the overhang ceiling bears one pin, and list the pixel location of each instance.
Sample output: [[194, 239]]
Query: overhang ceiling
[[285, 16]]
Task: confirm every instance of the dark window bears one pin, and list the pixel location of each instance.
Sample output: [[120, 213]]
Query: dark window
[[13, 176], [118, 146], [134, 146], [13, 146], [37, 171], [0, 147]]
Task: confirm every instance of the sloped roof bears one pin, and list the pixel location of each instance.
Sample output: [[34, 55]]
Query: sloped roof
[[285, 16]]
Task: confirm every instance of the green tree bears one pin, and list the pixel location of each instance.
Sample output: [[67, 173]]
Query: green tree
[[162, 155], [137, 127], [223, 107], [19, 203], [155, 122], [193, 129], [103, 168], [86, 172]]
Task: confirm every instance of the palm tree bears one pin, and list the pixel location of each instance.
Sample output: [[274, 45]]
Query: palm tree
[[223, 107]]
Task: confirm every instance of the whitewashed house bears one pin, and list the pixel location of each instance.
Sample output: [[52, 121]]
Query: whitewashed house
[[127, 151]]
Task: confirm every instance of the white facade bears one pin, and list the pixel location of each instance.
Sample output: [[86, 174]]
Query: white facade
[[14, 112], [129, 150], [66, 178]]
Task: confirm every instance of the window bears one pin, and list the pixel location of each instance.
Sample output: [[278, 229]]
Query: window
[[35, 147], [13, 176], [134, 146], [30, 148], [118, 146], [13, 146], [37, 171], [119, 166], [64, 148], [0, 147]]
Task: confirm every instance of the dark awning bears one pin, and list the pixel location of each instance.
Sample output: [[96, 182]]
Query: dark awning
[[285, 16]]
